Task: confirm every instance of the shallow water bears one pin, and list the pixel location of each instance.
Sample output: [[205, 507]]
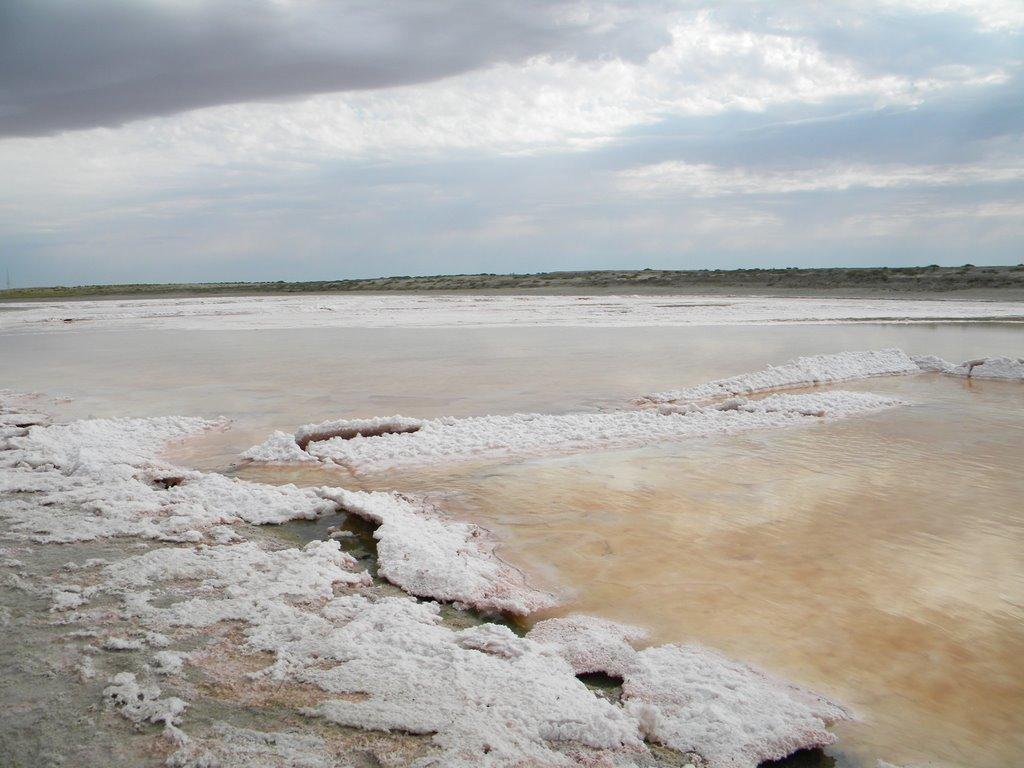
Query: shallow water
[[878, 559]]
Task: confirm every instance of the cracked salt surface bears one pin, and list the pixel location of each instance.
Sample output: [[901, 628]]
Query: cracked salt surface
[[481, 695]]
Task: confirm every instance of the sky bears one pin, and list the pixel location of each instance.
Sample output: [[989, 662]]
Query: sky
[[184, 141]]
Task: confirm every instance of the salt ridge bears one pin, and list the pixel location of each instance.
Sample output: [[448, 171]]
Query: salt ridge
[[1001, 368], [842, 366], [489, 437], [802, 372], [428, 555]]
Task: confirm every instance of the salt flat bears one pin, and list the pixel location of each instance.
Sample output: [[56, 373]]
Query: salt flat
[[440, 311]]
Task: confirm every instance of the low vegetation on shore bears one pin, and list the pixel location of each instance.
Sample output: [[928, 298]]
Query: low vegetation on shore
[[967, 280]]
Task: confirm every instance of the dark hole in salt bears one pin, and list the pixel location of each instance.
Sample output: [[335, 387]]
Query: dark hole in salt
[[804, 758], [361, 544], [363, 547], [167, 482], [599, 680], [603, 685]]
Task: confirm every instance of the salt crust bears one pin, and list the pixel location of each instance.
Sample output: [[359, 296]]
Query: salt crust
[[429, 555], [694, 699], [347, 429], [802, 372], [169, 662], [106, 468], [142, 703], [842, 366], [484, 695], [418, 311], [231, 747], [489, 437], [1005, 368], [590, 644]]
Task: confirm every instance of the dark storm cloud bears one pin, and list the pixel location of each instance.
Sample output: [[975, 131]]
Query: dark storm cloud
[[66, 64]]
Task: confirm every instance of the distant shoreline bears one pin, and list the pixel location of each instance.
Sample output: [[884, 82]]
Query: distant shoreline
[[967, 282]]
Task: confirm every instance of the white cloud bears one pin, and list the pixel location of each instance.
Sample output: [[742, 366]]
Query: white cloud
[[257, 175], [998, 220], [991, 15], [703, 180], [543, 105]]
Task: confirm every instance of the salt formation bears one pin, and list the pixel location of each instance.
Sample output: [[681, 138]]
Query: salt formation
[[231, 747], [450, 439], [479, 695], [247, 579], [106, 467], [347, 429], [279, 448], [414, 675], [693, 699], [1007, 368], [17, 414], [590, 644], [169, 662], [142, 703], [428, 555], [802, 372], [450, 311]]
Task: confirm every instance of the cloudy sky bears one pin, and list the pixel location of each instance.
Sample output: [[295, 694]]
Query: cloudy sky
[[179, 140]]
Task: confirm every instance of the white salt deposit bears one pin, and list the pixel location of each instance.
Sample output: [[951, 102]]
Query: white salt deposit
[[279, 448], [68, 597], [693, 699], [802, 372], [142, 703], [18, 411], [429, 555], [489, 437], [509, 707], [590, 644], [122, 644], [230, 747], [244, 578], [1004, 368], [106, 466], [347, 429], [418, 310], [169, 662]]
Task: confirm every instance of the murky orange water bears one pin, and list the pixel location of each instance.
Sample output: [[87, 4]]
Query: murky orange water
[[879, 559]]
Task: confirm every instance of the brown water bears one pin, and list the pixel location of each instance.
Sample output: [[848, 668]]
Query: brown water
[[879, 559]]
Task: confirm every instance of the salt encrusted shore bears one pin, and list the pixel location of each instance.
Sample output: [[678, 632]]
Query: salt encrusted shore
[[489, 437], [428, 555], [479, 695], [450, 311], [839, 367], [717, 407], [802, 372], [199, 592], [1003, 368]]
